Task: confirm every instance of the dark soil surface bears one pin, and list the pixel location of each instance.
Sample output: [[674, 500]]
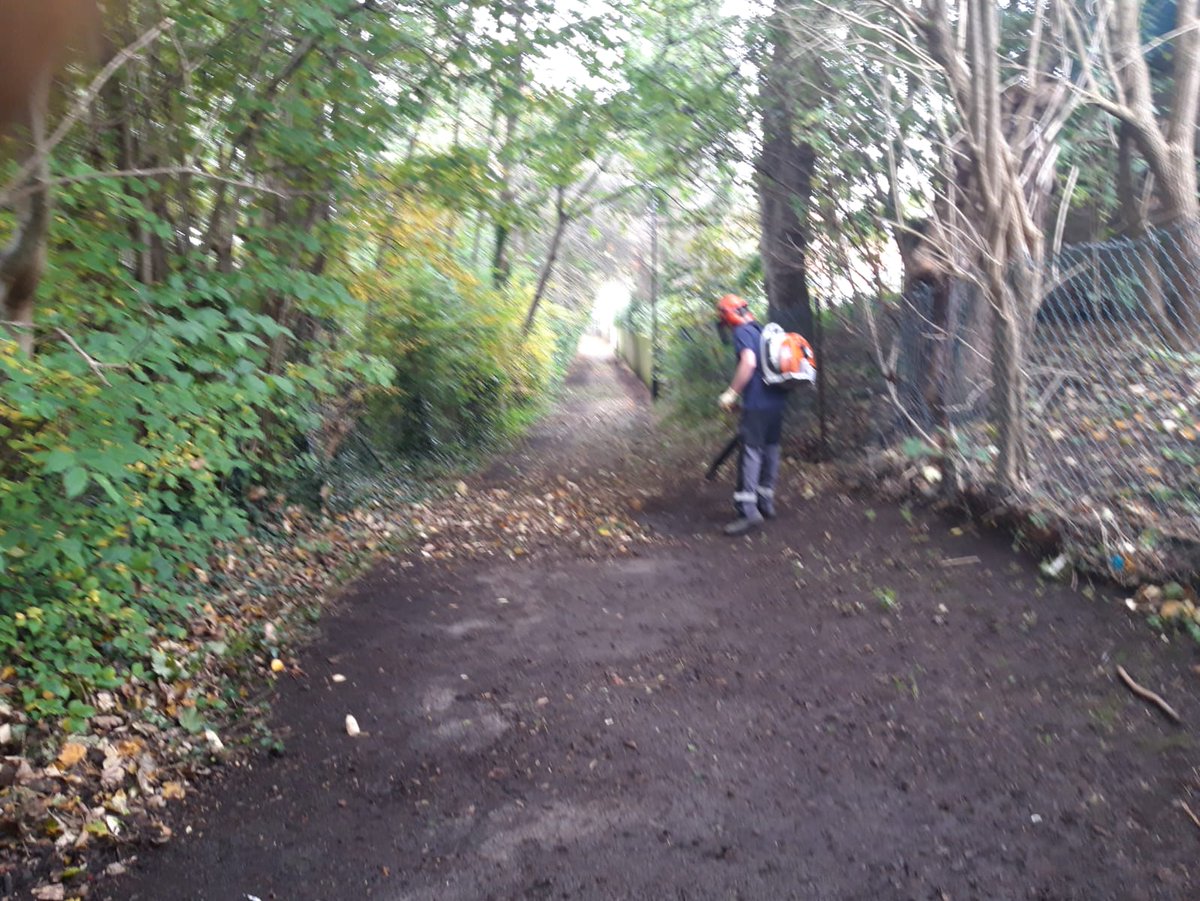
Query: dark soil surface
[[851, 704]]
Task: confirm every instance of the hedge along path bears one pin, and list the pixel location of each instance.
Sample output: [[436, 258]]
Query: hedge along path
[[823, 710]]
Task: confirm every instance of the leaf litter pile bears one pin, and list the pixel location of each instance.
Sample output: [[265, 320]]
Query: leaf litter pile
[[76, 808], [591, 518]]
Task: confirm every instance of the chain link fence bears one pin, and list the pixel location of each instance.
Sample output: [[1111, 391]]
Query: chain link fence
[[1112, 371]]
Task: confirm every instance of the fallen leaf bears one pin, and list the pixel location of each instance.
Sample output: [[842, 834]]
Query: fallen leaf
[[277, 666], [173, 791], [71, 754], [130, 747], [352, 726], [113, 773], [214, 741], [338, 678], [1172, 610], [50, 893]]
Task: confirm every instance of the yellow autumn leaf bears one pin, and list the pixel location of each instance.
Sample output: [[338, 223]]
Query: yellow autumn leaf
[[173, 791], [130, 747], [70, 755], [277, 665]]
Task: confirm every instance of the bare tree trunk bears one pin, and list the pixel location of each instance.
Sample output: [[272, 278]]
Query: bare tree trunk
[[1010, 391], [1011, 248], [785, 173], [561, 221], [1168, 145], [1009, 267], [501, 259], [24, 260], [1133, 214]]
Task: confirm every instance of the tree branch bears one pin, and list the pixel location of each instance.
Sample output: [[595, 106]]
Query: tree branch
[[160, 172], [1186, 68], [82, 104]]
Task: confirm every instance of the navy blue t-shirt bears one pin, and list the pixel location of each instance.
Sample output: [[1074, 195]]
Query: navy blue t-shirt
[[758, 395]]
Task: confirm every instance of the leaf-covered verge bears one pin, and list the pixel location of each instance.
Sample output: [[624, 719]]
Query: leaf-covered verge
[[163, 528], [285, 264], [78, 804], [162, 525]]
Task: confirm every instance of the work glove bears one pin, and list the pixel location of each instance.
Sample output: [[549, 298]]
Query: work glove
[[728, 400]]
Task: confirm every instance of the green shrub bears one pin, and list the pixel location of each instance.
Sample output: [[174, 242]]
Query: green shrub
[[697, 366], [465, 375], [117, 481]]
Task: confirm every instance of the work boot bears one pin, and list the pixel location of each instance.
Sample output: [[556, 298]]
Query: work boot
[[743, 525]]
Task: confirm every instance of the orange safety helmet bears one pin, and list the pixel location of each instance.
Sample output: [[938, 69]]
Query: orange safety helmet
[[734, 310]]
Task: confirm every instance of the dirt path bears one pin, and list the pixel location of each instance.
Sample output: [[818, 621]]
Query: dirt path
[[824, 711]]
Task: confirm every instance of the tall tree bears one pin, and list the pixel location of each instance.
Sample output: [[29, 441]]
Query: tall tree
[[1007, 153], [34, 41], [1160, 120], [785, 179]]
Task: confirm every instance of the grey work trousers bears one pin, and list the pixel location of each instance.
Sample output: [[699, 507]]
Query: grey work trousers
[[758, 474], [758, 463]]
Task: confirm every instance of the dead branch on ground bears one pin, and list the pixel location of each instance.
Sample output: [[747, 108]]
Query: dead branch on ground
[[1147, 695]]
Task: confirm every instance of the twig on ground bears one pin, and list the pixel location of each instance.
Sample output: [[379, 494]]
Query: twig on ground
[[1183, 805], [1147, 695], [960, 561]]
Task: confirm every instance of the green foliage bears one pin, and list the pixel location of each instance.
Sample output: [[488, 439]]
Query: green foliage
[[697, 367], [465, 374], [309, 230], [887, 599], [916, 448], [698, 360], [112, 495]]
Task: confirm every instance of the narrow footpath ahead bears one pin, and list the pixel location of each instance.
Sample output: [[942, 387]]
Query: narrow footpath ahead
[[855, 703]]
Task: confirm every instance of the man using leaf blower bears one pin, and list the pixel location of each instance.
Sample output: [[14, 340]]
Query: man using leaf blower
[[769, 361]]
